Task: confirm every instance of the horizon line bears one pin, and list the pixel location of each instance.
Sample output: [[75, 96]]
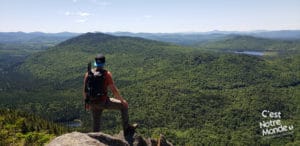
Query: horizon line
[[237, 31]]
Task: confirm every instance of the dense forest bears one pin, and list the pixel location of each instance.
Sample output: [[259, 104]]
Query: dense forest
[[20, 128], [194, 95]]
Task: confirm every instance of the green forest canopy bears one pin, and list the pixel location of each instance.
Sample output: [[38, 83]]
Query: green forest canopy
[[190, 95]]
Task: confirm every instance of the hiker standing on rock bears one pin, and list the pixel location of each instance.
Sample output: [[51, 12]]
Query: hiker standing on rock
[[97, 81]]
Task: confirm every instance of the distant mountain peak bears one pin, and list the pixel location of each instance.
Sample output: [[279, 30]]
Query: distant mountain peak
[[89, 38]]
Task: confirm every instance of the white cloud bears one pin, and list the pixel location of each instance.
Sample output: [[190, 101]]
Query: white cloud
[[67, 13], [83, 14], [80, 17], [104, 3], [101, 3], [74, 1], [147, 16], [81, 20]]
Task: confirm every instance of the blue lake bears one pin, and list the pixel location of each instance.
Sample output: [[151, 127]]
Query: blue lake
[[256, 53], [75, 123]]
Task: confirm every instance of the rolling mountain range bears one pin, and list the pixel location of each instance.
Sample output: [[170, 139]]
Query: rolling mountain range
[[195, 38], [177, 38], [35, 37], [23, 44], [190, 94], [250, 43]]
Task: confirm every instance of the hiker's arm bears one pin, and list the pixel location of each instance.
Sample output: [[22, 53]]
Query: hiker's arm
[[113, 87], [115, 90], [117, 94], [84, 85]]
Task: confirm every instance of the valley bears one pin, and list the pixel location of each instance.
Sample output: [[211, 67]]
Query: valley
[[193, 94]]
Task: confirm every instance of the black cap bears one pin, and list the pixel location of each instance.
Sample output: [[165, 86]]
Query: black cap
[[99, 60]]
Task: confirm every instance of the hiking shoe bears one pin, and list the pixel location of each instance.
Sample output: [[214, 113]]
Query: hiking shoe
[[130, 130], [134, 126]]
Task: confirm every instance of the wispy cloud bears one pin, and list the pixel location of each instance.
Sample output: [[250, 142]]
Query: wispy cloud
[[81, 20], [82, 14], [81, 17], [104, 3], [101, 3], [147, 16], [74, 1], [67, 13]]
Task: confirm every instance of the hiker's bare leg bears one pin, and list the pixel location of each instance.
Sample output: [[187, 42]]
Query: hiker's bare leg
[[96, 115], [116, 104]]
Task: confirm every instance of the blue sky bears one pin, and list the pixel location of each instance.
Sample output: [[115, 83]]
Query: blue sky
[[148, 15]]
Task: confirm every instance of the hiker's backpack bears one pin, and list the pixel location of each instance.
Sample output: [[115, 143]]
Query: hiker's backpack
[[95, 82]]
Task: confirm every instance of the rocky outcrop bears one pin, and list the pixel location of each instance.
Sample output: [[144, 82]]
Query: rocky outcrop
[[102, 139]]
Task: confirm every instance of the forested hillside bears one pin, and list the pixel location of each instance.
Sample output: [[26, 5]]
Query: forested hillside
[[186, 39], [20, 43], [16, 46], [190, 95], [19, 128], [240, 43]]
